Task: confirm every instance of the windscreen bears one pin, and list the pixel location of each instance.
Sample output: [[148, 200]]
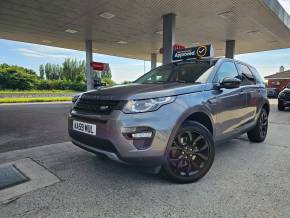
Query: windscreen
[[196, 72]]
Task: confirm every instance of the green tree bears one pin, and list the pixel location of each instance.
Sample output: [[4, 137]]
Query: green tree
[[68, 68], [107, 72], [47, 70], [41, 71], [73, 70]]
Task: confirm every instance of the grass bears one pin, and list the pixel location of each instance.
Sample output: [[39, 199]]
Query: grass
[[36, 91], [28, 100]]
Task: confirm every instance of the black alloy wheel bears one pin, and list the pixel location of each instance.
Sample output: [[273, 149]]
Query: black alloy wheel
[[263, 124], [191, 154], [259, 132]]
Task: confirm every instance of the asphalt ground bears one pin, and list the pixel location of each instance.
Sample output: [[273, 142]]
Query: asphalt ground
[[246, 180], [29, 125]]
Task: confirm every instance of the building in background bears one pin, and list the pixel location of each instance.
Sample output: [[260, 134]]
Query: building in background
[[279, 80]]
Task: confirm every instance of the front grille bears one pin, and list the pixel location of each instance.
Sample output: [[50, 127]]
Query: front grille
[[92, 104]]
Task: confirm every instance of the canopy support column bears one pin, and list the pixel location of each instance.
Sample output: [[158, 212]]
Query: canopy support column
[[230, 48], [89, 59], [168, 37], [153, 60]]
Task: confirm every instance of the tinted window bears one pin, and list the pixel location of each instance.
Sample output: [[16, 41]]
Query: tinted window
[[204, 77], [184, 72], [258, 77], [227, 70], [246, 75]]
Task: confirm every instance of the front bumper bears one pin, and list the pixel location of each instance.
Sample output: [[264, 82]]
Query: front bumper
[[110, 139]]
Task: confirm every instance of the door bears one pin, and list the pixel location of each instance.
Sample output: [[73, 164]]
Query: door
[[230, 104], [251, 91]]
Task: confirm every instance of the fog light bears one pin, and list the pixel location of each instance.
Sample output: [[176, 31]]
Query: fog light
[[142, 135]]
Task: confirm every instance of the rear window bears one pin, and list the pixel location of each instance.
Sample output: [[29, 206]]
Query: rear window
[[246, 75], [259, 78]]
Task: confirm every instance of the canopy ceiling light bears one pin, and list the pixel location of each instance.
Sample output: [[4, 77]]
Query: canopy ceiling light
[[71, 31], [107, 15], [226, 14], [122, 42]]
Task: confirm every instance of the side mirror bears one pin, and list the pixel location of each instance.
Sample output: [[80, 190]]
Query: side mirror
[[230, 83]]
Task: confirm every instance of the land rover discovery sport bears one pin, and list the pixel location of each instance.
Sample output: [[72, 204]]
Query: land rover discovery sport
[[173, 116]]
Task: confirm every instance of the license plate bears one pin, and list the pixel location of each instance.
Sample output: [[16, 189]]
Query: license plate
[[84, 127]]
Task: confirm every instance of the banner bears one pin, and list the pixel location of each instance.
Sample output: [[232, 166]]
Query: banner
[[204, 51]]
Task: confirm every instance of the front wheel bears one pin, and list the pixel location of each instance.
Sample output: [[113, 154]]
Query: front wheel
[[191, 153], [259, 132]]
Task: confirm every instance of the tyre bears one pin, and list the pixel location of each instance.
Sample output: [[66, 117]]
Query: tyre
[[190, 155], [280, 107], [259, 132]]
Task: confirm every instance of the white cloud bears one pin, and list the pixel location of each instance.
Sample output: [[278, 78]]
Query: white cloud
[[46, 52], [29, 53]]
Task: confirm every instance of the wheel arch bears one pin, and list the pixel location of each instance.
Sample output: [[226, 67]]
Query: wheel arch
[[192, 114], [201, 118], [266, 105]]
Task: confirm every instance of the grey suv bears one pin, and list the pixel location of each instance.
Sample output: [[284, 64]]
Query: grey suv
[[172, 117]]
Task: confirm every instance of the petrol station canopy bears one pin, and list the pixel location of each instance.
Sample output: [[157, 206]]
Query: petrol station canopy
[[133, 28]]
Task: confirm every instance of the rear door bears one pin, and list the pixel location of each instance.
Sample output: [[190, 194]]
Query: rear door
[[229, 103], [251, 91]]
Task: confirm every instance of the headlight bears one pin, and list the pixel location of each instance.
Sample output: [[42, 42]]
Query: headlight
[[146, 105]]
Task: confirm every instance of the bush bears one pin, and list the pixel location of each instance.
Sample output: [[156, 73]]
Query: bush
[[108, 81], [127, 82], [60, 85], [13, 77], [19, 78]]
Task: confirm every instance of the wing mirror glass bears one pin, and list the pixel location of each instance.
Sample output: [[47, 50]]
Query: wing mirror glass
[[230, 83]]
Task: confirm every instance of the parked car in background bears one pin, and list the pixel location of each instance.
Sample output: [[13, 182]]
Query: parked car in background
[[272, 93], [284, 98]]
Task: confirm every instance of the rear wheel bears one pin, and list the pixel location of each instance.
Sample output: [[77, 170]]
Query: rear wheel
[[191, 153], [259, 132]]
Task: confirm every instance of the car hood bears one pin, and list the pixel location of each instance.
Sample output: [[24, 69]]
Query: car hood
[[143, 91]]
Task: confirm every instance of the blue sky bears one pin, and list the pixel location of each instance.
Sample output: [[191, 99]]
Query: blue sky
[[31, 56]]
